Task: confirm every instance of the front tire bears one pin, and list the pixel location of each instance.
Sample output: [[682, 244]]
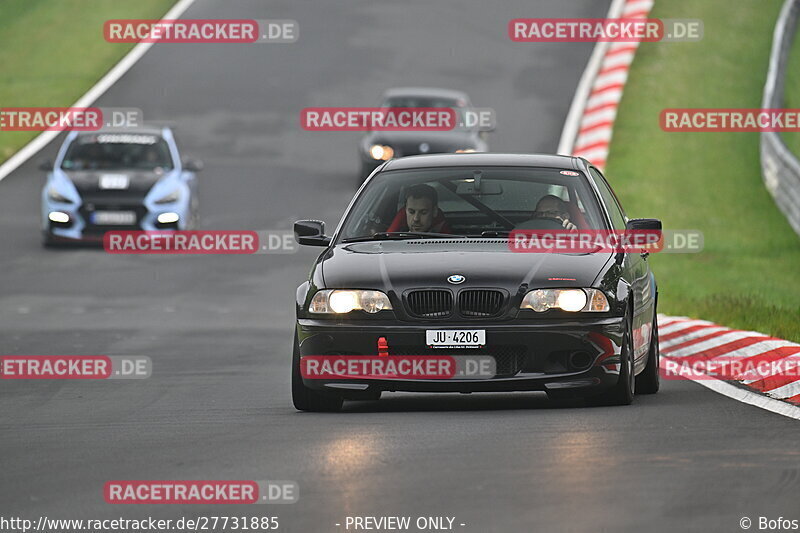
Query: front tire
[[649, 381], [621, 393], [305, 399], [48, 241]]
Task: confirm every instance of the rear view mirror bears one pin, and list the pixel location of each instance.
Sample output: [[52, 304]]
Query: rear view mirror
[[46, 165], [478, 188], [311, 233]]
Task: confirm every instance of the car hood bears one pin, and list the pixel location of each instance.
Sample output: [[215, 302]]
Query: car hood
[[402, 265], [87, 182]]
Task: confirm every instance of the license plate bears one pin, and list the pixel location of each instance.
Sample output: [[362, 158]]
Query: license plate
[[114, 218], [114, 181], [455, 338]]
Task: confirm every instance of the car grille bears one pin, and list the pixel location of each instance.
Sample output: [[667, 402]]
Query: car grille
[[480, 302], [510, 359], [439, 303], [430, 303]]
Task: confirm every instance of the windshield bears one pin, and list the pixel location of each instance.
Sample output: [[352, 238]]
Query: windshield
[[108, 151], [487, 202]]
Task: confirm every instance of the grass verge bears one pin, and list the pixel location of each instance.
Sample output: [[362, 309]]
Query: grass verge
[[53, 51], [747, 275]]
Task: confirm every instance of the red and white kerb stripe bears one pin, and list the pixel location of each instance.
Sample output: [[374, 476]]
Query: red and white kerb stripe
[[597, 122], [685, 338]]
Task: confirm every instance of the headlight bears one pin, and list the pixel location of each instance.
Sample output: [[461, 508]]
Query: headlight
[[56, 196], [381, 152], [174, 196], [343, 301], [465, 151], [168, 218], [572, 300]]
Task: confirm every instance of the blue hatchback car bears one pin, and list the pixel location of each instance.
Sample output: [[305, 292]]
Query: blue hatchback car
[[123, 179]]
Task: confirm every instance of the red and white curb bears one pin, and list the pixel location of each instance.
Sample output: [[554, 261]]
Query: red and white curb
[[591, 122], [587, 133], [683, 338]]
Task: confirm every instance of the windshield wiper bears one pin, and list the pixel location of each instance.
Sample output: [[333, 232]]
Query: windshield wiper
[[494, 233], [401, 235]]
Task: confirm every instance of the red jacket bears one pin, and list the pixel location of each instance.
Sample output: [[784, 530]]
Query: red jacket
[[400, 224]]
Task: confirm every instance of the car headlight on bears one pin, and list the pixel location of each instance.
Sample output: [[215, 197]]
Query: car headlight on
[[466, 151], [168, 218], [339, 301], [174, 196], [381, 152], [572, 300], [59, 217], [56, 196]]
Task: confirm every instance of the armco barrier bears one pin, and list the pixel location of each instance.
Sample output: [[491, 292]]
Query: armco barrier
[[779, 167]]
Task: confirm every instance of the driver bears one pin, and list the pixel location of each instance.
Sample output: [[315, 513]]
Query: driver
[[90, 157], [553, 207], [421, 212]]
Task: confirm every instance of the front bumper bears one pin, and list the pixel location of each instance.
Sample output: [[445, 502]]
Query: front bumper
[[81, 229], [575, 355]]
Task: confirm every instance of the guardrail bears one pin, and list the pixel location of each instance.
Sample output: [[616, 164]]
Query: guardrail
[[779, 167]]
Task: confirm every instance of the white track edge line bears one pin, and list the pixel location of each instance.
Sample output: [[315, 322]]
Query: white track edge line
[[105, 83], [751, 398]]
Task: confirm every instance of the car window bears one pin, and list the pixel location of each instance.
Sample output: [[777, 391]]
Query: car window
[[470, 201], [610, 199], [112, 151], [449, 201]]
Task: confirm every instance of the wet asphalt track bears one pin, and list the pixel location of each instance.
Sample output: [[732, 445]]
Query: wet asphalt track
[[218, 328]]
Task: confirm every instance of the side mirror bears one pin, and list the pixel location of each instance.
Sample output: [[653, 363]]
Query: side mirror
[[46, 165], [645, 224], [193, 165], [648, 224], [311, 233]]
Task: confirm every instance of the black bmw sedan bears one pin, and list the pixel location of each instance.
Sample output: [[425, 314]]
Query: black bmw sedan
[[379, 146], [420, 274]]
